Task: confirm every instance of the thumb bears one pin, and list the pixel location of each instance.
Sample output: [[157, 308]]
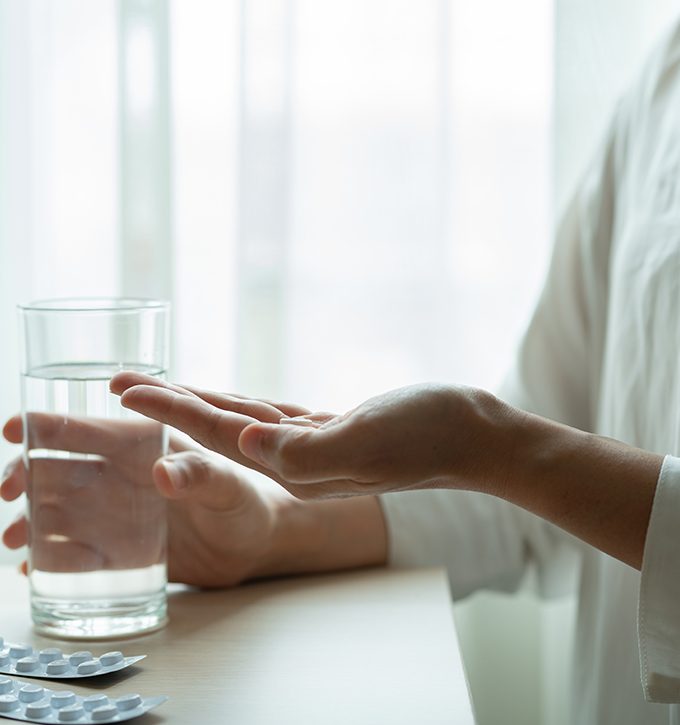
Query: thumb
[[195, 475], [297, 454]]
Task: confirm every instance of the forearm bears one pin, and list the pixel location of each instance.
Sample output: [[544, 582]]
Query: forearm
[[596, 488], [328, 535]]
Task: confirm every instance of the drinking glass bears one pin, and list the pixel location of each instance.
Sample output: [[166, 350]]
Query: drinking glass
[[97, 525]]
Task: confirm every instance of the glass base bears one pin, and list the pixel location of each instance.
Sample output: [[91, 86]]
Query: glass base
[[99, 618]]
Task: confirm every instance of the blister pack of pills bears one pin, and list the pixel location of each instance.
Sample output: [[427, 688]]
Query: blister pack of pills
[[22, 659], [34, 703]]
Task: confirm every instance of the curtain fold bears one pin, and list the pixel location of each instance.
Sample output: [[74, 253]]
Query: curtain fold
[[145, 251]]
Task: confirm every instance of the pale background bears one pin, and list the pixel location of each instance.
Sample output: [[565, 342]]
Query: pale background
[[339, 197]]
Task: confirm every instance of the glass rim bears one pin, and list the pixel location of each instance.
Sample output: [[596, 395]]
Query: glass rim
[[94, 304]]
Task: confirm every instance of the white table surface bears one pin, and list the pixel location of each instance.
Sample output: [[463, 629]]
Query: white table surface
[[374, 646]]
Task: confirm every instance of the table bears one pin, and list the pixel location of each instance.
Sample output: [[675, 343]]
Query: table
[[372, 646]]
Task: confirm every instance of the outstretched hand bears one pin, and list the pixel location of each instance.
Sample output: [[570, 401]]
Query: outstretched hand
[[415, 437]]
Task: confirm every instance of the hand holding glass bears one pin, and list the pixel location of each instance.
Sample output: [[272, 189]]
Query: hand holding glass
[[97, 529]]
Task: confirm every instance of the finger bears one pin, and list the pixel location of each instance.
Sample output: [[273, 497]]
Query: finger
[[258, 409], [299, 454], [63, 477], [13, 429], [57, 522], [262, 409], [94, 531], [194, 475], [266, 411], [16, 534], [177, 443], [13, 481], [126, 380], [289, 409], [23, 568], [311, 419], [64, 555], [83, 435], [211, 427]]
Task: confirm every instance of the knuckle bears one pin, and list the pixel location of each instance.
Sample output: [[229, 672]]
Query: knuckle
[[237, 405], [170, 406], [211, 428]]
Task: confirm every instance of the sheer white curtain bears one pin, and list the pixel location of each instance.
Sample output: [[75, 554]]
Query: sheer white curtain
[[338, 198], [59, 221]]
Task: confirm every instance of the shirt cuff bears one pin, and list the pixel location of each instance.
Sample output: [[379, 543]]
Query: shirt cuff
[[659, 600]]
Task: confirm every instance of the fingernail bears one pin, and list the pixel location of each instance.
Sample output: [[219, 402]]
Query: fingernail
[[177, 477]]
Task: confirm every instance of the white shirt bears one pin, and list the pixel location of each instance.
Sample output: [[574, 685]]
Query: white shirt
[[602, 353]]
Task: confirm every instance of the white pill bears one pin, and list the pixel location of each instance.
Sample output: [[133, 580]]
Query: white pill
[[6, 685], [92, 701], [39, 709], [2, 642], [299, 421], [8, 703], [77, 657], [104, 713], [128, 702], [20, 650], [58, 667], [87, 668], [30, 693], [63, 699], [111, 658], [49, 655], [4, 659], [71, 713], [27, 664]]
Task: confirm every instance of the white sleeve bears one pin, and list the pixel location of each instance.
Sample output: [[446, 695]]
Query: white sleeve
[[659, 592], [659, 603], [485, 542]]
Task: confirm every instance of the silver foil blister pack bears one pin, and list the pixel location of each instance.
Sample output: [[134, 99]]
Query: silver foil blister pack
[[24, 660], [34, 703]]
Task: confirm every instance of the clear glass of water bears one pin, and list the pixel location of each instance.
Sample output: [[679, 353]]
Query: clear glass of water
[[97, 525]]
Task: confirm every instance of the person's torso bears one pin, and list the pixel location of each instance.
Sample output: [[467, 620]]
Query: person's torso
[[637, 349]]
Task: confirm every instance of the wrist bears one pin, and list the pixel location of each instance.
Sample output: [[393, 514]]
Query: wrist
[[295, 534], [494, 436], [541, 451], [598, 489], [317, 536]]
